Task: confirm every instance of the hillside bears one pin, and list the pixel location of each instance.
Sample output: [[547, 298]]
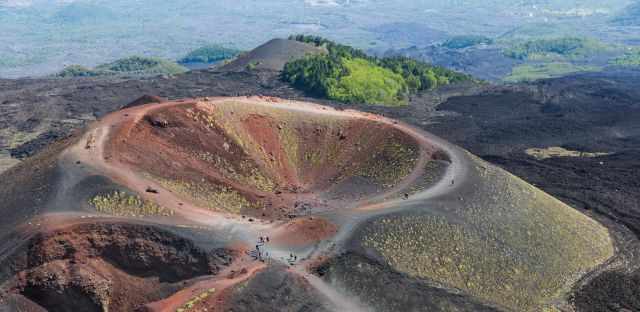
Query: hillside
[[179, 196], [134, 65], [350, 75], [272, 55], [209, 54], [499, 123], [55, 33], [566, 47], [630, 16], [461, 42], [630, 59], [141, 65], [520, 55]]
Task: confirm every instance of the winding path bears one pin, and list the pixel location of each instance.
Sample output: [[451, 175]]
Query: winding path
[[91, 150]]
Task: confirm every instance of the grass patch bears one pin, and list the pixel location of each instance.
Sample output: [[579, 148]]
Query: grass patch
[[392, 163], [78, 71], [120, 203], [209, 54], [565, 47], [189, 305], [212, 197], [531, 72], [556, 151], [142, 65], [134, 65], [461, 42], [254, 177], [630, 59]]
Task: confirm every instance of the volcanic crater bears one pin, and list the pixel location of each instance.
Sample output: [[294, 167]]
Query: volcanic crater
[[268, 160], [270, 204]]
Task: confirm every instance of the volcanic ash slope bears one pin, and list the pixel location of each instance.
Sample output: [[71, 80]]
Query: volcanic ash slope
[[495, 238], [155, 203]]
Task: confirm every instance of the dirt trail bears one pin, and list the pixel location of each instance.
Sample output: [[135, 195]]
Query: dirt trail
[[91, 150], [213, 287]]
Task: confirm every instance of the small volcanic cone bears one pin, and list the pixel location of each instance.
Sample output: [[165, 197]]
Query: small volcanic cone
[[145, 99]]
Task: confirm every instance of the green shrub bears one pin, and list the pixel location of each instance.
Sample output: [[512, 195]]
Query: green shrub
[[336, 50], [420, 75], [349, 75], [77, 71], [563, 47], [252, 65], [368, 83], [314, 74], [461, 42], [533, 72], [209, 54], [142, 65], [134, 65], [629, 59], [120, 203]]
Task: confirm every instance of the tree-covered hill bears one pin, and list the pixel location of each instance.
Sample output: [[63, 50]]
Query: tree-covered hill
[[465, 41], [348, 74], [209, 54], [565, 47], [134, 65]]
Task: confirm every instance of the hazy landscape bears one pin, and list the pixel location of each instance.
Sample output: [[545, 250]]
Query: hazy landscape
[[319, 155], [41, 37]]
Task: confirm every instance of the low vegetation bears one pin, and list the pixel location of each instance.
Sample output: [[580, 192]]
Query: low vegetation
[[142, 65], [364, 82], [556, 151], [629, 59], [134, 65], [209, 54], [531, 72], [507, 243], [349, 75], [565, 47], [77, 71], [210, 196], [461, 42], [390, 164], [122, 204], [193, 302]]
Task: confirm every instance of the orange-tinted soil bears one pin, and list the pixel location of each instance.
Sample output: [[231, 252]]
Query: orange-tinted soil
[[109, 266], [234, 168], [261, 161], [304, 231]]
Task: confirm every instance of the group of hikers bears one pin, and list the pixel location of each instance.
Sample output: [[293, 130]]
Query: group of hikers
[[261, 255], [258, 254]]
